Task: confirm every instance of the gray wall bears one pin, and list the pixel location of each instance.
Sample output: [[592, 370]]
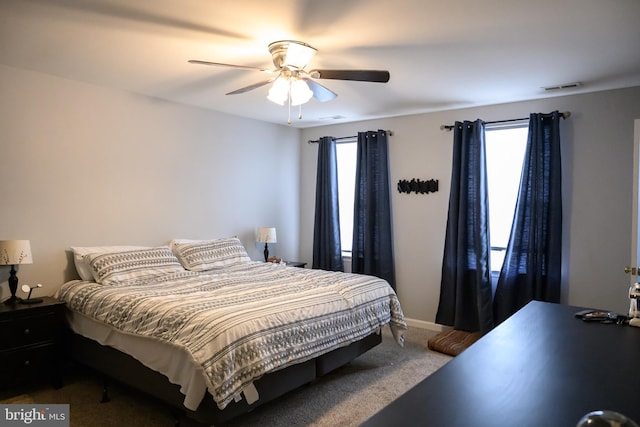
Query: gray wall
[[597, 183], [85, 165]]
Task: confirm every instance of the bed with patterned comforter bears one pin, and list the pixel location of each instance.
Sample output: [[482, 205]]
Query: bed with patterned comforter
[[245, 320]]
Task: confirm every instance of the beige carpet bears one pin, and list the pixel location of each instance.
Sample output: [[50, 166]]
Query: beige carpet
[[346, 397]]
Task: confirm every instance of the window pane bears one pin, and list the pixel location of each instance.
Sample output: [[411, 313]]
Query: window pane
[[505, 154], [346, 153]]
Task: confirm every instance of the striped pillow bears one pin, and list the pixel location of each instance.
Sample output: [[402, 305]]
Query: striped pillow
[[210, 254], [84, 270], [119, 267]]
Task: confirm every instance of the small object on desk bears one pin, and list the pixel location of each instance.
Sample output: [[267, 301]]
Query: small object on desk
[[635, 322], [597, 316], [28, 289]]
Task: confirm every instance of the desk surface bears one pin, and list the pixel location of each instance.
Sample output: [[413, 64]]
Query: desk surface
[[541, 367]]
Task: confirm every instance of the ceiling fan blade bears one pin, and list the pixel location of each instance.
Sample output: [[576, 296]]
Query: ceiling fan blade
[[376, 76], [251, 87], [220, 64], [320, 92]]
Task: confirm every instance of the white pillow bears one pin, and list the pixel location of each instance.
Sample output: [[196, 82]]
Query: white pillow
[[84, 270], [173, 242], [210, 254], [120, 267]]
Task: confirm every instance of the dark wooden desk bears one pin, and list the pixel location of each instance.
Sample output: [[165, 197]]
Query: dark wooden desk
[[541, 367]]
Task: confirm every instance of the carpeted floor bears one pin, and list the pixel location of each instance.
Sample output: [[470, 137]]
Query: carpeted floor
[[346, 397]]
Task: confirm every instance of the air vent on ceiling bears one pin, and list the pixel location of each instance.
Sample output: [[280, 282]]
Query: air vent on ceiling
[[336, 117], [562, 86]]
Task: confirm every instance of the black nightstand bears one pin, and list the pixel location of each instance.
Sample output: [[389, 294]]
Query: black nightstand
[[30, 348], [295, 264]]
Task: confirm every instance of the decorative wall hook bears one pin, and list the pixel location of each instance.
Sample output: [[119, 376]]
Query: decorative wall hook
[[418, 186]]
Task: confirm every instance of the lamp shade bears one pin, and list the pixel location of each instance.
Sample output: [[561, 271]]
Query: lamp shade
[[13, 252], [266, 235]]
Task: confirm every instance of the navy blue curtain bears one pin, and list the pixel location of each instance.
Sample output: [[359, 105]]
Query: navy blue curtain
[[532, 266], [372, 251], [327, 252], [465, 289]]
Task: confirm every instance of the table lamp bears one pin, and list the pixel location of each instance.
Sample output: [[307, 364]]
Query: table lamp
[[266, 235], [14, 252]]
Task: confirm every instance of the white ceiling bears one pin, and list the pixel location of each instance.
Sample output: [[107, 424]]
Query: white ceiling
[[441, 54]]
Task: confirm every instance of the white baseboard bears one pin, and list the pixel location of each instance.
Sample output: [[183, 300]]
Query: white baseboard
[[422, 324]]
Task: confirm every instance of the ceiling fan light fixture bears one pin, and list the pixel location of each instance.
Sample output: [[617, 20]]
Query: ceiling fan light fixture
[[279, 91], [289, 88], [300, 92], [299, 54]]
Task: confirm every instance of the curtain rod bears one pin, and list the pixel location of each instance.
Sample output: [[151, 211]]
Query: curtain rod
[[312, 141], [564, 114]]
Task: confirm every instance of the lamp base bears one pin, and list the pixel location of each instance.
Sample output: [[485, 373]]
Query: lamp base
[[13, 285], [13, 300], [30, 301], [266, 252]]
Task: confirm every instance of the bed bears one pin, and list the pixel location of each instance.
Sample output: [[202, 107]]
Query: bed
[[202, 327]]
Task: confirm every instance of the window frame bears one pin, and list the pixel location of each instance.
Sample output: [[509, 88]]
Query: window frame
[[503, 126], [351, 141]]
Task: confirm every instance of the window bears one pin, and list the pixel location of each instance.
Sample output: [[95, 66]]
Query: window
[[505, 148], [346, 153]]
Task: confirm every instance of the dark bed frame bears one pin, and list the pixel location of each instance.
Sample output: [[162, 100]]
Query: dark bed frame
[[127, 370]]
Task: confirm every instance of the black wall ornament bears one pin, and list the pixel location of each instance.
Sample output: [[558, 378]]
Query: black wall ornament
[[418, 186]]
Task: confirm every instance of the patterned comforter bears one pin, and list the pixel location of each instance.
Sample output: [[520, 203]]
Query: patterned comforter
[[241, 322]]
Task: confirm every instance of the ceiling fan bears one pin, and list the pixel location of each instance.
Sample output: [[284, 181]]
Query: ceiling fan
[[291, 82]]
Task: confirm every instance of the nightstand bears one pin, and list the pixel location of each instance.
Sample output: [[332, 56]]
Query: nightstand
[[30, 348], [295, 264]]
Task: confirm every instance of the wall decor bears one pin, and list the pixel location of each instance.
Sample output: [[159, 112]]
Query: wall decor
[[417, 186]]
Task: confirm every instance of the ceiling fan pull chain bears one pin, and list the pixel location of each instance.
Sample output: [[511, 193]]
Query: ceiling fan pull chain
[[300, 112]]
